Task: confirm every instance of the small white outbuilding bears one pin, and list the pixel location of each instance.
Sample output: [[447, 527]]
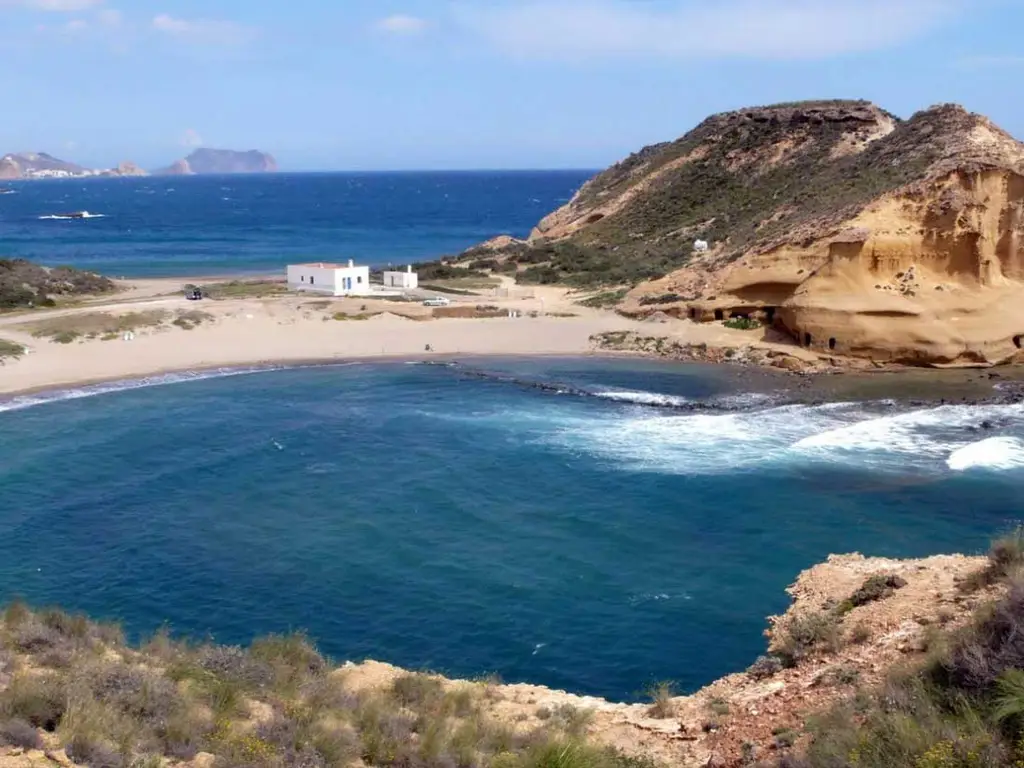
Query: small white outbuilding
[[335, 279], [405, 280]]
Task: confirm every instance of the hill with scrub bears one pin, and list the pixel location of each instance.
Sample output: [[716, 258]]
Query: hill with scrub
[[878, 663], [853, 231]]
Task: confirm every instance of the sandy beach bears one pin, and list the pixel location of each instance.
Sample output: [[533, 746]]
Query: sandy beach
[[284, 328]]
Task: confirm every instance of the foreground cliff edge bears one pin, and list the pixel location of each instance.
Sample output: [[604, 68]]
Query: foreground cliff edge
[[852, 232], [72, 691]]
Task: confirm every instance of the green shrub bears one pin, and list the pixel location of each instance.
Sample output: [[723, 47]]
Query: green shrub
[[807, 631], [20, 733], [718, 706], [877, 587], [605, 299], [39, 700], [661, 695], [417, 691], [765, 666], [65, 337], [742, 323], [10, 349]]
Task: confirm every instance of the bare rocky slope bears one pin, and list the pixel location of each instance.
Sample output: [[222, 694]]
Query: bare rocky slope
[[854, 232]]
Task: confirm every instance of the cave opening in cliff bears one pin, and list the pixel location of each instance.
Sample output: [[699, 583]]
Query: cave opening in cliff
[[1018, 341], [769, 314], [832, 343], [719, 314], [693, 313], [594, 218], [808, 339]]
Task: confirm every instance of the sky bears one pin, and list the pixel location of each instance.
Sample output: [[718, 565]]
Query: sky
[[471, 84]]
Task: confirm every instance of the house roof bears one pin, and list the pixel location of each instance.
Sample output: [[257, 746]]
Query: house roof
[[327, 265]]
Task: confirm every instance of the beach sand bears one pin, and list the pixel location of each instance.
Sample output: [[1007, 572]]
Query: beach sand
[[287, 329], [297, 329]]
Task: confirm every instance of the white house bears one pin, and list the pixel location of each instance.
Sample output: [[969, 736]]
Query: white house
[[404, 280], [335, 279]]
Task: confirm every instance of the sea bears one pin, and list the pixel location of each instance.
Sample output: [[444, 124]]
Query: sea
[[594, 525], [216, 225]]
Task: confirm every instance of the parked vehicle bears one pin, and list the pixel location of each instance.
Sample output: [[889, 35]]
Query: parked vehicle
[[437, 301]]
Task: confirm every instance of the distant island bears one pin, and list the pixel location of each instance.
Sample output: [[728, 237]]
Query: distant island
[[217, 161], [41, 165]]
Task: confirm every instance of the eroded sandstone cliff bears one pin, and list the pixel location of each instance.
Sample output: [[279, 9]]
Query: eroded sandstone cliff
[[855, 232]]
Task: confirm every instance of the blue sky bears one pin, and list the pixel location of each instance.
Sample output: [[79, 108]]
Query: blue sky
[[423, 84]]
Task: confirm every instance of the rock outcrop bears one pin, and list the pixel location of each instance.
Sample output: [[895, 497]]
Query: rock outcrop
[[222, 161], [128, 168], [855, 232]]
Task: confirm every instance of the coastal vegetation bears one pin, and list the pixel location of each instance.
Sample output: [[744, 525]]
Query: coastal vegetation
[[24, 285], [604, 299], [742, 324], [73, 684], [65, 329], [10, 349], [961, 707], [725, 182], [244, 289]]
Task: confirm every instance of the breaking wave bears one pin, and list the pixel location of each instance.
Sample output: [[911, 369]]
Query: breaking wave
[[643, 398], [993, 453]]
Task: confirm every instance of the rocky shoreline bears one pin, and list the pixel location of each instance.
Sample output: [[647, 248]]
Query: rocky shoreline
[[768, 369]]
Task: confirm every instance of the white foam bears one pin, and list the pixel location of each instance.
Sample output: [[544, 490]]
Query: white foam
[[642, 398], [72, 217], [28, 401], [993, 453], [931, 432], [698, 443]]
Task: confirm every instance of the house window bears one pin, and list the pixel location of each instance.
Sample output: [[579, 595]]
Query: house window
[[303, 278], [359, 279], [311, 281]]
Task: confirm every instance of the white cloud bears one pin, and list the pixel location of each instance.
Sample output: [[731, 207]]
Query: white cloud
[[59, 6], [400, 24], [191, 138], [771, 29], [203, 31]]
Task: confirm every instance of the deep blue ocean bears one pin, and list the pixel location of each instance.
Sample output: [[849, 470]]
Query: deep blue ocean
[[203, 225], [595, 541]]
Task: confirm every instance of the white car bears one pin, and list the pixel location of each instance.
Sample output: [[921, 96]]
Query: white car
[[437, 301]]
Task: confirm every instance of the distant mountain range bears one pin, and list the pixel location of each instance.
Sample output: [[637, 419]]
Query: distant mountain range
[[40, 165]]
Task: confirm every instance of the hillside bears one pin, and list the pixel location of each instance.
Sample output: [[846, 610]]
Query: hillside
[[222, 161], [40, 165], [23, 165], [853, 231]]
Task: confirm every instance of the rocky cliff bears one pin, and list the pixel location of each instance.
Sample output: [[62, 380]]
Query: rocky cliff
[[855, 232], [222, 161], [25, 165]]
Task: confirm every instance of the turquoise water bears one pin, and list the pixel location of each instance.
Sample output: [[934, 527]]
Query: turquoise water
[[595, 541], [203, 225]]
